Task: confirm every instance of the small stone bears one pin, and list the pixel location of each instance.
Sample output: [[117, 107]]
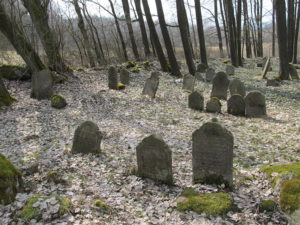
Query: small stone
[[196, 101], [213, 105]]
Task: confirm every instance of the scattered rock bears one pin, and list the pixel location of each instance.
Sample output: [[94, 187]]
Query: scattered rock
[[58, 101], [213, 105]]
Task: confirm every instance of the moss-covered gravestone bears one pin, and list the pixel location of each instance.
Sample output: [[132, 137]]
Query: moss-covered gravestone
[[112, 78], [220, 86], [188, 82], [212, 155], [154, 159], [213, 105], [210, 74], [10, 181], [236, 105], [124, 76], [87, 139], [5, 98], [151, 85], [236, 86], [58, 101], [196, 101], [42, 84], [255, 104]]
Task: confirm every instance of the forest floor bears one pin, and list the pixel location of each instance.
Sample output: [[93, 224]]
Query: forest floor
[[32, 132]]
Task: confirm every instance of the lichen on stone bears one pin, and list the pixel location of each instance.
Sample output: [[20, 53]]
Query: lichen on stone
[[58, 101]]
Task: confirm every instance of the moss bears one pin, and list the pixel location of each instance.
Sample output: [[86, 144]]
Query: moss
[[226, 61], [267, 205], [121, 86], [11, 181], [58, 101], [65, 206], [146, 64], [55, 177], [190, 192], [136, 69], [15, 72], [212, 204], [290, 195], [99, 204], [130, 64]]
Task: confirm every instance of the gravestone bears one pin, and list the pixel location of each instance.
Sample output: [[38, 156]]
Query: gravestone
[[196, 101], [236, 105], [266, 67], [87, 139], [188, 82], [213, 105], [236, 86], [210, 74], [199, 76], [151, 85], [201, 68], [255, 104], [154, 159], [112, 78], [42, 85], [230, 70], [293, 72], [124, 76], [220, 86], [212, 155]]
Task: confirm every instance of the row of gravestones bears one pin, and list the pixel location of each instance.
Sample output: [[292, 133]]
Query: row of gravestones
[[212, 153]]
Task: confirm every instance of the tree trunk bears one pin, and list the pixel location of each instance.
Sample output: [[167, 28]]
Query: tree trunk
[[142, 27], [239, 32], [218, 29], [17, 39], [282, 39], [247, 30], [200, 32], [85, 36], [273, 29], [5, 98], [154, 37], [225, 28], [193, 29], [291, 28], [183, 27], [130, 30], [295, 51]]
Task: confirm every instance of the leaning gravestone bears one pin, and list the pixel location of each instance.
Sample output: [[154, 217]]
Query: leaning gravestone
[[229, 70], [220, 86], [293, 72], [255, 104], [210, 74], [124, 76], [42, 84], [154, 160], [196, 101], [213, 105], [151, 85], [188, 82], [212, 155], [236, 105], [87, 139], [201, 68], [112, 78], [236, 86]]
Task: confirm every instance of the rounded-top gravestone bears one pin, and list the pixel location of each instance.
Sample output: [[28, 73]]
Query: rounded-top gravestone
[[199, 76], [213, 105], [236, 86], [210, 74], [87, 139], [220, 86], [255, 104], [151, 85], [188, 82], [212, 155], [196, 101], [201, 68], [112, 78], [236, 105]]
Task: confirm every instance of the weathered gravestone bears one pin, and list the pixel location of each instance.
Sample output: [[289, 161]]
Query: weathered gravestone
[[220, 86], [293, 72], [229, 70], [201, 68], [212, 155], [255, 104], [42, 83], [151, 85], [236, 105], [196, 101], [213, 105], [210, 74], [124, 76], [87, 139], [154, 159], [112, 78], [236, 86], [188, 82], [199, 76]]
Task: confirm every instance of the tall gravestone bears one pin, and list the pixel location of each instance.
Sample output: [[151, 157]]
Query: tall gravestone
[[210, 74], [188, 82], [220, 86], [154, 159], [112, 78], [124, 76], [151, 85], [199, 76], [196, 101], [255, 104], [42, 85], [87, 139], [236, 105], [236, 86], [230, 70], [212, 155]]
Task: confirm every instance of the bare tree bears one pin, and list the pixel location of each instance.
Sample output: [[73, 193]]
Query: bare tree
[[218, 28]]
